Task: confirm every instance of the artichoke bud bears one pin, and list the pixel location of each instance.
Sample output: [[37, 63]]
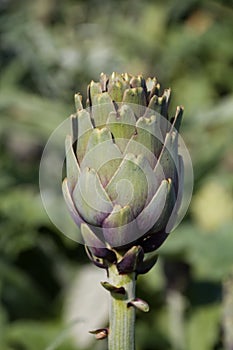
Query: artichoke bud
[[123, 170]]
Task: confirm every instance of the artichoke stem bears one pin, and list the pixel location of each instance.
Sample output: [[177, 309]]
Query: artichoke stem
[[122, 317]]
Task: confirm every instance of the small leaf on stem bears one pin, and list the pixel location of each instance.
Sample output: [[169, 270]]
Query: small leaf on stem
[[113, 289], [101, 333], [139, 304]]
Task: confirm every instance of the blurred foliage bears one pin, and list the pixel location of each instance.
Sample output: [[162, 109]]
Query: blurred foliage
[[49, 50]]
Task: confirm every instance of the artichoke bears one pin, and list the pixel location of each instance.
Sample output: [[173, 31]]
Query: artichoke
[[123, 171]]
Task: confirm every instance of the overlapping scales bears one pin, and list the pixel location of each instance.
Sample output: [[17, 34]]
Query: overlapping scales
[[122, 162]]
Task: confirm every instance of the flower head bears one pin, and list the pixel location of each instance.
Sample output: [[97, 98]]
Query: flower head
[[123, 182]]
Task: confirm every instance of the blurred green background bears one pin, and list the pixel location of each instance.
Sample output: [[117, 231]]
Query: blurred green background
[[50, 49]]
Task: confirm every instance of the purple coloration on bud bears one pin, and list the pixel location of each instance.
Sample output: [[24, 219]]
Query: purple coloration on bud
[[104, 253], [147, 264], [103, 264], [129, 262], [153, 242]]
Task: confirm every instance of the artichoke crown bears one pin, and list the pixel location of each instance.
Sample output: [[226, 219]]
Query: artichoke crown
[[123, 166]]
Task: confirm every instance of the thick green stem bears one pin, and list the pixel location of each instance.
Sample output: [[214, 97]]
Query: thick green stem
[[122, 317]]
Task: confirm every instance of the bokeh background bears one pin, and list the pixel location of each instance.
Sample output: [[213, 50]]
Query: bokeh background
[[50, 49]]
